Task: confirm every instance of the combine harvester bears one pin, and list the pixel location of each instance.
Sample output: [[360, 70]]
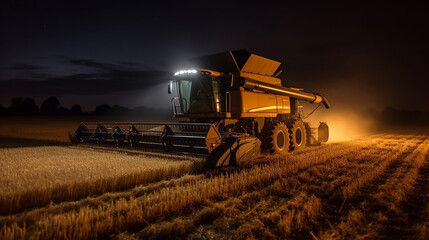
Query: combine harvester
[[236, 107]]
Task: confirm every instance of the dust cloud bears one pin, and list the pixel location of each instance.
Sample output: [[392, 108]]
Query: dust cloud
[[344, 124], [349, 99]]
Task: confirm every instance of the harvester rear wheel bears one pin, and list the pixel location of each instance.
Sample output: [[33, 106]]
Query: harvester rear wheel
[[308, 134], [274, 137], [297, 134]]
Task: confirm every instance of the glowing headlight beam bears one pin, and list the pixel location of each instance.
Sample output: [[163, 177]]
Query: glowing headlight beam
[[185, 72]]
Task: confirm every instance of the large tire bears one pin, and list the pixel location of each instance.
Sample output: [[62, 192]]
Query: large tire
[[297, 135], [323, 132], [274, 137], [308, 134]]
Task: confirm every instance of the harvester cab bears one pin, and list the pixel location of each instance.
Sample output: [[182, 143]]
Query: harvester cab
[[235, 106]]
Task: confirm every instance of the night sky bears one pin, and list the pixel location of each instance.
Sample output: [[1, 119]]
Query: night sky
[[359, 54]]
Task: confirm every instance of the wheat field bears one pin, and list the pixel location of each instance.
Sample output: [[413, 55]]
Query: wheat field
[[36, 176], [373, 187]]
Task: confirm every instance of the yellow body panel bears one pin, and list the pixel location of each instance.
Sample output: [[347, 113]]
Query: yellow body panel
[[258, 104], [260, 65], [213, 138], [261, 78]]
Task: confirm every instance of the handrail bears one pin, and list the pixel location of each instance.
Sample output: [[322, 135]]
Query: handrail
[[227, 102], [173, 103]]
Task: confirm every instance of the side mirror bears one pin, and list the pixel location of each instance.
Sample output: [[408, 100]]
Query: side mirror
[[170, 87]]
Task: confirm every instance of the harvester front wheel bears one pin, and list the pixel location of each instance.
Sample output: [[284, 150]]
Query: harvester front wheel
[[297, 135], [274, 137]]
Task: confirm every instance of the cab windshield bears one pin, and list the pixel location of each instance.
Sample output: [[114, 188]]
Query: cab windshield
[[197, 95]]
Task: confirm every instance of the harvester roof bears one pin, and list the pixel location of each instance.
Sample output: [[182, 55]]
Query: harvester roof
[[237, 61]]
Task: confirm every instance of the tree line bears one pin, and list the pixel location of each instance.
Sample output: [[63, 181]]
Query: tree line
[[393, 116], [51, 106]]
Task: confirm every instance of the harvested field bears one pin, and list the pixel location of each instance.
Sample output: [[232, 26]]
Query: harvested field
[[374, 187]]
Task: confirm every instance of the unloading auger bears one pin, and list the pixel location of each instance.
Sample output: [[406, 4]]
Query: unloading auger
[[235, 106]]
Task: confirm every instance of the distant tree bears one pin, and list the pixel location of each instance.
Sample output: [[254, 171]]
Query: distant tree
[[2, 110], [49, 106], [140, 110], [76, 109], [427, 118], [119, 110], [371, 113], [102, 109], [62, 111], [15, 106], [152, 113], [16, 102], [29, 107], [392, 115]]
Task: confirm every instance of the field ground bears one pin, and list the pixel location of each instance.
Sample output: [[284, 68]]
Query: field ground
[[372, 187]]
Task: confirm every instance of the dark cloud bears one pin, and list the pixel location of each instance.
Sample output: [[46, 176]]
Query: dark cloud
[[95, 64], [85, 84], [108, 78], [24, 70], [129, 63], [23, 66], [62, 57]]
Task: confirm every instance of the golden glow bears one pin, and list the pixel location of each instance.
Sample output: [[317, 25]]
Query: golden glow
[[216, 93], [259, 109], [343, 125]]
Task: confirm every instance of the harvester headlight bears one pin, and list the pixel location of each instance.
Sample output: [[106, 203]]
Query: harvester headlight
[[185, 72]]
